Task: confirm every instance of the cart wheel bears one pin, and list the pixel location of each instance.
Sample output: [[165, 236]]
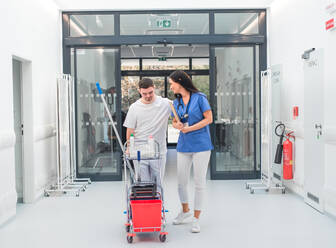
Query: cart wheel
[[251, 191], [130, 239], [46, 194], [283, 191], [64, 192], [83, 189], [162, 237], [247, 186], [128, 228], [77, 194], [267, 190]]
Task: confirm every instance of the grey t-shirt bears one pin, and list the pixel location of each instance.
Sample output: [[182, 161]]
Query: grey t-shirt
[[150, 119]]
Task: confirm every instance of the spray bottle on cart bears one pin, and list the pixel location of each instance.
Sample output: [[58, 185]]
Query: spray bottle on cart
[[132, 146]]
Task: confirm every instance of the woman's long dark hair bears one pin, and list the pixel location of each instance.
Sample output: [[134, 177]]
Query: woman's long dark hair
[[184, 80]]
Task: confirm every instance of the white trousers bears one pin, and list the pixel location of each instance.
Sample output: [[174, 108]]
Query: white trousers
[[152, 170], [200, 160]]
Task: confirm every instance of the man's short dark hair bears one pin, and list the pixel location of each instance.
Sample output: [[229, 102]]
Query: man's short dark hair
[[146, 83]]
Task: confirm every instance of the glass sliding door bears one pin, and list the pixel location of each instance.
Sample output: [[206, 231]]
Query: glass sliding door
[[234, 93], [98, 153]]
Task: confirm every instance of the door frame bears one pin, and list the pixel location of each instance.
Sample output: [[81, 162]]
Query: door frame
[[165, 73], [28, 168], [100, 177], [232, 175], [210, 39]]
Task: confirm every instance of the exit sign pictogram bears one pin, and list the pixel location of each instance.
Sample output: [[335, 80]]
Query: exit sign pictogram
[[163, 23]]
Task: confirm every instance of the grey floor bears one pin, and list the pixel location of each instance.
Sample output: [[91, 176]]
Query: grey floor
[[232, 218]]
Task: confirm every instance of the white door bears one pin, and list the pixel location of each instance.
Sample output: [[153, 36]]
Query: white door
[[17, 78], [313, 130]]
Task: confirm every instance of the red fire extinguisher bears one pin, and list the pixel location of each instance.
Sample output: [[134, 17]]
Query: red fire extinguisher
[[288, 157]]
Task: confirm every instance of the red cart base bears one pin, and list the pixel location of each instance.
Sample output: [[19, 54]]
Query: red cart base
[[147, 216]]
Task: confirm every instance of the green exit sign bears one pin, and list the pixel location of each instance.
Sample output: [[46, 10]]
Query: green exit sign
[[163, 23], [162, 59]]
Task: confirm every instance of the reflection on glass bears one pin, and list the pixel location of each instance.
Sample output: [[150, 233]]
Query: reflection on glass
[[130, 64], [234, 117], [200, 64], [159, 83], [236, 23], [168, 64], [96, 142], [170, 94], [151, 24], [88, 25], [202, 84], [129, 92]]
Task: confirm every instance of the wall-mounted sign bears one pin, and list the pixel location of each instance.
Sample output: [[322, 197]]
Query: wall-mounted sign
[[163, 23]]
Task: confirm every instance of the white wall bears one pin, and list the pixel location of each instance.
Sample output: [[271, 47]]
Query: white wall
[[295, 26], [30, 32], [154, 4]]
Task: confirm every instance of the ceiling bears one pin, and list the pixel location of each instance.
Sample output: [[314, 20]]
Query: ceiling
[[155, 4]]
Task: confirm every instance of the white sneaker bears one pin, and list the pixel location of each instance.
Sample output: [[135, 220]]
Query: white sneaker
[[195, 228], [181, 217]]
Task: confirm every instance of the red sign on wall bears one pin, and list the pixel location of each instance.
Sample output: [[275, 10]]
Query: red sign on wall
[[330, 24]]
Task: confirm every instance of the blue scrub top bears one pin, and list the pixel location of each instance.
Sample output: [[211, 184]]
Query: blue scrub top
[[198, 140]]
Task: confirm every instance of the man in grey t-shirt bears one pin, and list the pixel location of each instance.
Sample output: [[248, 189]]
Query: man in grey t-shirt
[[149, 116]]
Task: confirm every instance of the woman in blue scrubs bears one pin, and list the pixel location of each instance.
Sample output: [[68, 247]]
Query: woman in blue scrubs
[[194, 144]]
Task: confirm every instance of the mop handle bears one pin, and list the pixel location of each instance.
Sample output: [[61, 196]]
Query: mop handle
[[110, 117]]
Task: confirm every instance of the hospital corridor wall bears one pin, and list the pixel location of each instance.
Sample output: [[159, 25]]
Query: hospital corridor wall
[[294, 27], [31, 34], [33, 37]]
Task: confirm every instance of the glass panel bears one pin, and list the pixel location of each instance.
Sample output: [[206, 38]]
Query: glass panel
[[97, 147], [200, 64], [234, 111], [159, 83], [173, 133], [152, 24], [170, 93], [202, 84], [236, 23], [130, 65], [88, 25], [169, 64], [129, 92]]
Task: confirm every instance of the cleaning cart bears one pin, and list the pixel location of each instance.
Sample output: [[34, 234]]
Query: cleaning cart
[[144, 200], [145, 205]]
